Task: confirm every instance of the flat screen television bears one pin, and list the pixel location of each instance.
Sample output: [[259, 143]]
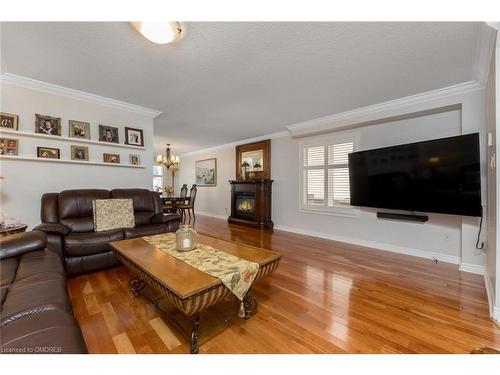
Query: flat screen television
[[441, 176]]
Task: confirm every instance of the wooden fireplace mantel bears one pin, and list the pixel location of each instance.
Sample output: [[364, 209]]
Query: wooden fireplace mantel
[[261, 190]]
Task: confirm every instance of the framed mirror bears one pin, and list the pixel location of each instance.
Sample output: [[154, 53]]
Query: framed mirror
[[253, 160]]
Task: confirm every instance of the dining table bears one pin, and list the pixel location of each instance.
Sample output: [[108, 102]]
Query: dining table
[[173, 200]]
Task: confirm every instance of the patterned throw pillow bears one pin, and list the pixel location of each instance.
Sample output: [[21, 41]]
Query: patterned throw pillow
[[113, 214]]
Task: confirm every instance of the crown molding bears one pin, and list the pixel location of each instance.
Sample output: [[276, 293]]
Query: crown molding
[[280, 134], [445, 98], [20, 81], [485, 44]]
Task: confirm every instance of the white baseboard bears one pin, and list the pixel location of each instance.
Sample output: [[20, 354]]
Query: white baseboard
[[211, 215], [465, 267], [496, 313], [489, 293], [377, 245], [472, 268]]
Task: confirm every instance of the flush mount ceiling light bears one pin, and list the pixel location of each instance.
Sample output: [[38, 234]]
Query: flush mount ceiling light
[[159, 32]]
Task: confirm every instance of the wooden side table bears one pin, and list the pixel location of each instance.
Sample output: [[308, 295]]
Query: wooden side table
[[12, 230]]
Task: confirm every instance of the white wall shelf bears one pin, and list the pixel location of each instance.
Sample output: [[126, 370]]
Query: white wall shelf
[[90, 162], [20, 133]]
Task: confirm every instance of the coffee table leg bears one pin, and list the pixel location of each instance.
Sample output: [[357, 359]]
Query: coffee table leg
[[250, 304], [194, 334], [136, 286]]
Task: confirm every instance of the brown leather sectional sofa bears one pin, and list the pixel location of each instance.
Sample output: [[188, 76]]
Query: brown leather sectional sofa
[[36, 310], [67, 219], [36, 313]]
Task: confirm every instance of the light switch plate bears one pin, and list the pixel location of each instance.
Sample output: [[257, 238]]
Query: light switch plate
[[490, 139]]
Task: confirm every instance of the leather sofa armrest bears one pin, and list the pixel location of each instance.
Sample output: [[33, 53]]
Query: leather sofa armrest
[[21, 243], [164, 218], [53, 228]]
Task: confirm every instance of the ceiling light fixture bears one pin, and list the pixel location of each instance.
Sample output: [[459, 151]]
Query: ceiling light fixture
[[159, 32]]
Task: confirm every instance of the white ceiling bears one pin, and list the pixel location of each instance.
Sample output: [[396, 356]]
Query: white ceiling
[[230, 81]]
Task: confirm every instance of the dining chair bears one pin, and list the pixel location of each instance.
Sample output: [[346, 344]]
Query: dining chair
[[184, 191], [188, 208]]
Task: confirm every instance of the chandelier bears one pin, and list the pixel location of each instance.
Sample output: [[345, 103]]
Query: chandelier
[[168, 160]]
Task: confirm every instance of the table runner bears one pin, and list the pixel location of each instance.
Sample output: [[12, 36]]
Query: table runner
[[235, 273]]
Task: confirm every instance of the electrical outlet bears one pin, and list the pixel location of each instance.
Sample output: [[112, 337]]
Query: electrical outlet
[[446, 236]]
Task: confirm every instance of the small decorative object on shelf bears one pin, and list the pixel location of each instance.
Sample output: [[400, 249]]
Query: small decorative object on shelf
[[186, 238], [8, 146], [47, 125], [79, 153], [9, 121], [244, 167], [169, 190], [79, 129], [108, 134], [48, 152], [111, 158], [135, 159], [134, 137]]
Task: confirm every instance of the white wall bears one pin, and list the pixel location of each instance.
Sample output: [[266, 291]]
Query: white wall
[[496, 312], [446, 237], [210, 200], [367, 229], [26, 181], [492, 185]]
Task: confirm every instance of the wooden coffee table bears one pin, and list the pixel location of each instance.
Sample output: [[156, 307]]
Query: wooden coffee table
[[190, 290]]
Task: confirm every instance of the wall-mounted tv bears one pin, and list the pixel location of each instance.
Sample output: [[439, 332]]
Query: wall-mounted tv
[[441, 176]]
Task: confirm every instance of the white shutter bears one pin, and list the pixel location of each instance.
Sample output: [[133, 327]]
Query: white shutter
[[338, 187], [315, 156], [315, 192], [337, 153], [326, 174]]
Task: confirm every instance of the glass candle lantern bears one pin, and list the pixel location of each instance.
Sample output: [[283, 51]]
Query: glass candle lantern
[[186, 238]]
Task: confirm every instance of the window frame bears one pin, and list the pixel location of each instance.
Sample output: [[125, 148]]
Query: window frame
[[324, 141], [157, 175]]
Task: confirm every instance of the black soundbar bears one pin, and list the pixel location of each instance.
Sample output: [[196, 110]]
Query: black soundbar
[[404, 217]]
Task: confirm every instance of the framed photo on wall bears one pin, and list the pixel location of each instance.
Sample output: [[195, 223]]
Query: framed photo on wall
[[9, 146], [79, 129], [79, 153], [48, 153], [206, 172], [135, 159], [47, 125], [111, 158], [108, 134], [9, 121], [134, 137]]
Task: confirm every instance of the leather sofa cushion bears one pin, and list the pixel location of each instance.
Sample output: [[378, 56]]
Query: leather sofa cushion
[[48, 331], [145, 230], [18, 244], [48, 211], [78, 204], [142, 198], [8, 268], [90, 263], [79, 224], [80, 244], [143, 217], [40, 280]]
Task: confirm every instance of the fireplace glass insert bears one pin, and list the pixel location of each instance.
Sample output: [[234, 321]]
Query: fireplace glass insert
[[245, 205]]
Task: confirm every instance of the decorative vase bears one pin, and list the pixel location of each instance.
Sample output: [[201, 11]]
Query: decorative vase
[[186, 238]]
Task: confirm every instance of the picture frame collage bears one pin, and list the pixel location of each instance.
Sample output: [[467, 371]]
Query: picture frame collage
[[52, 126]]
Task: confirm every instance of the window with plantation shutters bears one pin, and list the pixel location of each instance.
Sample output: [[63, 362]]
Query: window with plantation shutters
[[325, 173]]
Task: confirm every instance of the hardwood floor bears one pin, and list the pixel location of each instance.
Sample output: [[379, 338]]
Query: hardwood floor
[[325, 297]]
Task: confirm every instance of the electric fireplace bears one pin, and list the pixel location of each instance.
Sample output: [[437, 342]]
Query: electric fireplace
[[245, 205], [251, 203]]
